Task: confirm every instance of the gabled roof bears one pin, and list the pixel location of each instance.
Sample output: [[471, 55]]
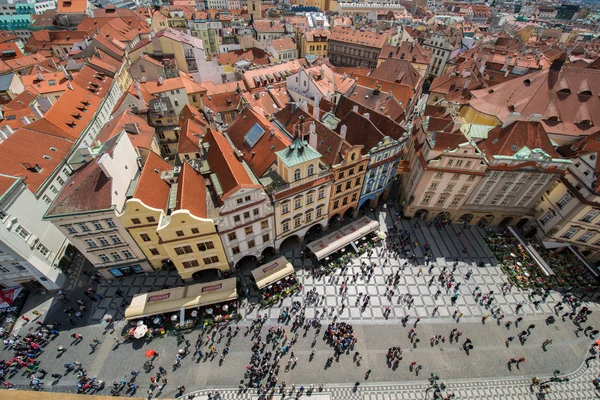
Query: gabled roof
[[222, 102], [400, 71], [230, 171], [410, 51], [284, 44], [191, 191], [189, 112], [360, 131], [151, 189], [51, 82], [384, 124], [189, 137], [509, 140], [181, 82], [87, 189], [25, 149], [140, 136], [261, 156], [71, 6], [354, 36]]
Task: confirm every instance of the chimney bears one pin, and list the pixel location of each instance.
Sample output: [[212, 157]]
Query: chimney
[[343, 131], [36, 110], [483, 61], [506, 63], [467, 82], [312, 136], [512, 117], [377, 89], [316, 110], [535, 118], [355, 108], [367, 115], [160, 80]]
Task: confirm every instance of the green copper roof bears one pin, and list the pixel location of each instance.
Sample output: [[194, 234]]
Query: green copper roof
[[297, 153]]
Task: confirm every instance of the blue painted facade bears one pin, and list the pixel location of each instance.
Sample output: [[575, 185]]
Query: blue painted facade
[[381, 170]]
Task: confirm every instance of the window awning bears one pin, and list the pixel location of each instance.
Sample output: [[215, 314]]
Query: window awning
[[272, 272], [342, 237], [170, 300]]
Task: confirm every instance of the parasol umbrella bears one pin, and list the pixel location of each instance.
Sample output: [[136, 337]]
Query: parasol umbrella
[[151, 353], [140, 323], [513, 255], [194, 313], [209, 311], [381, 235], [225, 307], [598, 341], [157, 321], [174, 317], [140, 331]]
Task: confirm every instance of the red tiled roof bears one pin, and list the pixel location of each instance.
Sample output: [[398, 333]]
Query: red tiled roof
[[125, 120], [151, 189], [231, 172], [412, 52], [223, 102], [87, 189], [189, 137], [268, 26], [509, 140], [385, 125], [400, 71], [261, 156], [191, 191], [261, 102], [189, 112], [284, 44], [71, 6], [354, 36], [25, 149]]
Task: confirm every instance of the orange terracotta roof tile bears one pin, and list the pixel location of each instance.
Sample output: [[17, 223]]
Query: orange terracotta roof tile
[[24, 62], [230, 171], [50, 82], [25, 149], [189, 137], [141, 135], [71, 6], [509, 140], [151, 189], [355, 36], [191, 191], [261, 156]]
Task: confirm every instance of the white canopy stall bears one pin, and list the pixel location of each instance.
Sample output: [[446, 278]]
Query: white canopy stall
[[342, 237]]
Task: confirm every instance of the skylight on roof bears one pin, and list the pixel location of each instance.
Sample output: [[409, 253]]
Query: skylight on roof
[[254, 135]]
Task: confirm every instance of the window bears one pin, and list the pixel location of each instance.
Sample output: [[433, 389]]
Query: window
[[247, 198], [450, 187], [321, 194], [248, 230], [115, 239], [564, 201], [297, 221], [231, 236], [97, 225], [297, 203], [547, 217], [150, 219], [297, 174], [285, 226], [357, 182], [442, 199], [311, 170], [504, 188], [103, 241], [450, 162], [319, 211], [338, 189], [309, 198], [251, 244], [127, 254], [110, 223], [459, 163], [266, 238], [42, 249], [104, 258], [570, 233], [144, 237], [205, 246], [589, 217], [426, 199], [47, 199], [336, 204], [240, 201], [136, 221], [439, 174], [246, 214], [183, 250], [255, 212], [195, 231], [235, 250], [308, 217], [210, 260], [455, 201], [60, 181], [179, 233], [90, 243], [477, 200], [236, 218], [190, 264], [84, 227], [586, 236], [154, 251], [433, 186], [264, 224], [116, 256], [22, 232], [285, 208]]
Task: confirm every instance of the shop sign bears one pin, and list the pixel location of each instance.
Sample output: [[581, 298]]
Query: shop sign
[[159, 297], [211, 288]]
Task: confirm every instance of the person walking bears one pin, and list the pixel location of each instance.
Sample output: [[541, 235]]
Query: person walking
[[546, 343]]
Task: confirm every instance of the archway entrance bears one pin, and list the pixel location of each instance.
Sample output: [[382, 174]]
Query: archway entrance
[[522, 222], [421, 214], [313, 232], [267, 253], [531, 233], [505, 222], [246, 261], [349, 213], [334, 221], [366, 206], [486, 220], [289, 244], [466, 218], [586, 253], [207, 275]]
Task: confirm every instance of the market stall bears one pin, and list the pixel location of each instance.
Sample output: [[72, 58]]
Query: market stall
[[182, 307], [275, 279], [343, 237]]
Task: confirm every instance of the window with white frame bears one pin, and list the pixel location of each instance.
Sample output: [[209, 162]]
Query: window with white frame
[[84, 227], [42, 249], [570, 233], [97, 225], [127, 254], [564, 201], [297, 221], [297, 174], [115, 239], [22, 232], [589, 217], [90, 243], [586, 236], [547, 217], [104, 258], [110, 223], [103, 242], [426, 199], [116, 256]]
